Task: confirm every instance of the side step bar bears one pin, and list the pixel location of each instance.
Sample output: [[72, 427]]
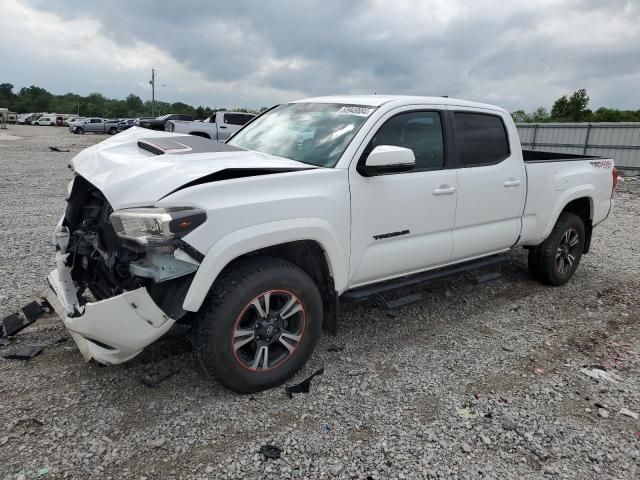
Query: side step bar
[[362, 293]]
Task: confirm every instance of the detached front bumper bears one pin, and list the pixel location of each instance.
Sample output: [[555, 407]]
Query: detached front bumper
[[110, 331]]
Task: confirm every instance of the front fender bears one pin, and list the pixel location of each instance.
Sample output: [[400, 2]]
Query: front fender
[[264, 235]]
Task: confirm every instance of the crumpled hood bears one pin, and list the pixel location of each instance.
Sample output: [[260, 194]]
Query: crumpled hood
[[130, 176]]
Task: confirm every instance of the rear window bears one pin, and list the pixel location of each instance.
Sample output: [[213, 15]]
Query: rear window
[[236, 118], [481, 139]]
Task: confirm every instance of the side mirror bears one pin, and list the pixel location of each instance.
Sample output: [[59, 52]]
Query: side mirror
[[388, 159]]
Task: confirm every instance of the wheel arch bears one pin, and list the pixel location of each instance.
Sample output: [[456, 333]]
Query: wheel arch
[[583, 208], [309, 243]]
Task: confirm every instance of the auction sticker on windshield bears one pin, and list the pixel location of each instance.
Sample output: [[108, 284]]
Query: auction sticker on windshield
[[358, 111]]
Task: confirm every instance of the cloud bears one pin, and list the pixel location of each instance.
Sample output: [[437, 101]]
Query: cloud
[[253, 53]]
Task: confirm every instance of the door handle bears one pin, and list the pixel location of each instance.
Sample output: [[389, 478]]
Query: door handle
[[222, 126], [512, 182], [444, 190]]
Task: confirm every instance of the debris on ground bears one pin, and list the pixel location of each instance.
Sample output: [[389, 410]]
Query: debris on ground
[[56, 149], [600, 374], [603, 412], [465, 413], [270, 451], [153, 380], [25, 352], [629, 413], [157, 442], [302, 387], [15, 322], [334, 348]]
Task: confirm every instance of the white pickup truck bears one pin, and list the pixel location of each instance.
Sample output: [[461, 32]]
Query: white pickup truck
[[219, 126], [255, 241]]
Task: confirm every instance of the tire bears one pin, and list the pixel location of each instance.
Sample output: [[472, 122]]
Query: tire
[[231, 332], [79, 130], [113, 131], [555, 260]]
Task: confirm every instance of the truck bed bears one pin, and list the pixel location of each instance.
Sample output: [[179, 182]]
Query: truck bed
[[537, 156]]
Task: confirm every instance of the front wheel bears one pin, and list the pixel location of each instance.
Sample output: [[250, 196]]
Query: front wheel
[[555, 260], [80, 131], [259, 324]]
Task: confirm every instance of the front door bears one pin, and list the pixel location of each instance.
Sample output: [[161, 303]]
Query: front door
[[491, 185], [402, 223]]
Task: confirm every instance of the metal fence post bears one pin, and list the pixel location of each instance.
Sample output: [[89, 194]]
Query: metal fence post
[[586, 139], [533, 137]]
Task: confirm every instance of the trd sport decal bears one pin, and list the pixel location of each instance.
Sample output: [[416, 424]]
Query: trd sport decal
[[602, 164], [389, 235]]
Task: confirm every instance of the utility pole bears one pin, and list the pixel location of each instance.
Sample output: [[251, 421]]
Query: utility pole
[[153, 92], [78, 98]]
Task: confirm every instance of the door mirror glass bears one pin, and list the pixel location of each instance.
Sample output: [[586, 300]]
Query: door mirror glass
[[389, 159]]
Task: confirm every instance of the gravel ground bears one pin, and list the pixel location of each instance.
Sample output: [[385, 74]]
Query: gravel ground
[[476, 381]]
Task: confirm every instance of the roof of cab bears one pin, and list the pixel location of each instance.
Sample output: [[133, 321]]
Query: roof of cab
[[378, 100]]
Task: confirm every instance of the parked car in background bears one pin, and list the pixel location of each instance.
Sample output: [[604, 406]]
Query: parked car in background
[[95, 125], [159, 122], [219, 126], [69, 120], [125, 124], [48, 120], [255, 240]]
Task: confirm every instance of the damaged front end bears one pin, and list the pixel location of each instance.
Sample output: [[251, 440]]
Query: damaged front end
[[120, 277]]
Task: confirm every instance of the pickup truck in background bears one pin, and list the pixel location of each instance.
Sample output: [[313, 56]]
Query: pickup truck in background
[[255, 241], [158, 123], [94, 125], [219, 126]]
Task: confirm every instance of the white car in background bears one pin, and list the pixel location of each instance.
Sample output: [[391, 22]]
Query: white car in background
[[219, 126], [48, 120]]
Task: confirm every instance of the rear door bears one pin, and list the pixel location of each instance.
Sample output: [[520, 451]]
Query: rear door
[[402, 222], [231, 123], [491, 183], [94, 125]]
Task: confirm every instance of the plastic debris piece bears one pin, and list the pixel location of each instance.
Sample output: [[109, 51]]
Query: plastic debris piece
[[325, 426], [56, 149], [32, 310], [152, 381], [26, 352], [629, 413], [302, 387], [465, 412], [601, 374], [43, 472], [270, 451]]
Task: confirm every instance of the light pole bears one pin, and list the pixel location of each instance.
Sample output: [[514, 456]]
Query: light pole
[[78, 98], [152, 82]]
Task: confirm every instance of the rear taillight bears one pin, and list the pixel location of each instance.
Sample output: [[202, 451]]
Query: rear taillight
[[615, 175]]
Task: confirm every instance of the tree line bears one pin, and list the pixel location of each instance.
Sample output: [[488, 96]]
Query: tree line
[[574, 108], [36, 99]]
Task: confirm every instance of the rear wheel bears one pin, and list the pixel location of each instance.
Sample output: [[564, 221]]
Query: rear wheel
[[555, 260], [259, 324], [113, 131]]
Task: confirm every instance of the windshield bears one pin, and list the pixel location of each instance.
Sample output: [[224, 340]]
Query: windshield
[[313, 133]]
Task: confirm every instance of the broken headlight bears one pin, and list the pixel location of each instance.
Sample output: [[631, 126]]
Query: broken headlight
[[156, 226]]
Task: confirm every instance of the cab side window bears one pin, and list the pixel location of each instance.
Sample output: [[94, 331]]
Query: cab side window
[[418, 131], [481, 139]]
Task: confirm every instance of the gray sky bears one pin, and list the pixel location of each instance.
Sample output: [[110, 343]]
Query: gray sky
[[517, 54]]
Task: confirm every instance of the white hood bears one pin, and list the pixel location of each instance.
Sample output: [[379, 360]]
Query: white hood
[[130, 176]]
